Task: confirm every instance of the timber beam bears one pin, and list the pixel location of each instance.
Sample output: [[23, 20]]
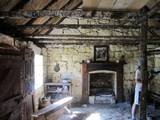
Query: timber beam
[[115, 42], [91, 41], [62, 13], [74, 26], [62, 36], [86, 37], [143, 54]]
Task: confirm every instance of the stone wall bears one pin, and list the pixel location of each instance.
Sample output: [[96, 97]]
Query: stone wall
[[69, 59], [131, 54]]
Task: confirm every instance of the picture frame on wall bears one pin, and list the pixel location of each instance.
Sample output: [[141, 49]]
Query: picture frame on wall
[[101, 53]]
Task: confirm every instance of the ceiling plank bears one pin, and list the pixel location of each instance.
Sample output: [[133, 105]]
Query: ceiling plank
[[114, 4], [20, 5], [71, 5], [45, 7], [31, 5], [7, 5], [41, 20]]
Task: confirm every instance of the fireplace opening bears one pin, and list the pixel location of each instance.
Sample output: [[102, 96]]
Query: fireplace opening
[[101, 83], [102, 86]]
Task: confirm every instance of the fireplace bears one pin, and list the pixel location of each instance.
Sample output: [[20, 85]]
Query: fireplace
[[102, 82], [102, 79]]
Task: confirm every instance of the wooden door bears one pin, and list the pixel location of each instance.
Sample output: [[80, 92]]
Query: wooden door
[[16, 84]]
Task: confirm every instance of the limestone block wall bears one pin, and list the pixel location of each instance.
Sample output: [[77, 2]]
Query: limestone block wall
[[131, 54], [70, 57]]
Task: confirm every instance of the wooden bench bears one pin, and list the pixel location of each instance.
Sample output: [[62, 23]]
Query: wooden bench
[[43, 113]]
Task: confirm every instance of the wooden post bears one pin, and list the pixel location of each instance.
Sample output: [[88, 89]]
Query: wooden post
[[143, 50]]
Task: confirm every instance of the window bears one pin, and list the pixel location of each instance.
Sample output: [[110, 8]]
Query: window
[[38, 71]]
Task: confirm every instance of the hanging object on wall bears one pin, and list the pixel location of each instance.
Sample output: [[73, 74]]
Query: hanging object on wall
[[56, 68]]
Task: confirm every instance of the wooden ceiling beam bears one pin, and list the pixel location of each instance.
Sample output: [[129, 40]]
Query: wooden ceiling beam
[[75, 26], [79, 36], [90, 38], [62, 36], [61, 13], [93, 41]]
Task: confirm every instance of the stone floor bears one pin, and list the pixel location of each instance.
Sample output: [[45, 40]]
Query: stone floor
[[99, 112]]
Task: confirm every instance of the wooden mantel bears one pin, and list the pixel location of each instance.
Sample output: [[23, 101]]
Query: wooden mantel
[[111, 66]]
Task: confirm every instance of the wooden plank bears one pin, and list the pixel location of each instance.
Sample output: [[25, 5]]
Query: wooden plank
[[71, 5], [56, 19], [138, 4], [122, 4], [114, 4], [7, 5], [41, 20], [98, 4], [31, 5], [130, 4], [53, 107]]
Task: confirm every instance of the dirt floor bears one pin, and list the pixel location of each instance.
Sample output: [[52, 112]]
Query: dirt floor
[[120, 111]]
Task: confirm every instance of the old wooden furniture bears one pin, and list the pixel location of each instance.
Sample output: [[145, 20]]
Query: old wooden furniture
[[52, 108]]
